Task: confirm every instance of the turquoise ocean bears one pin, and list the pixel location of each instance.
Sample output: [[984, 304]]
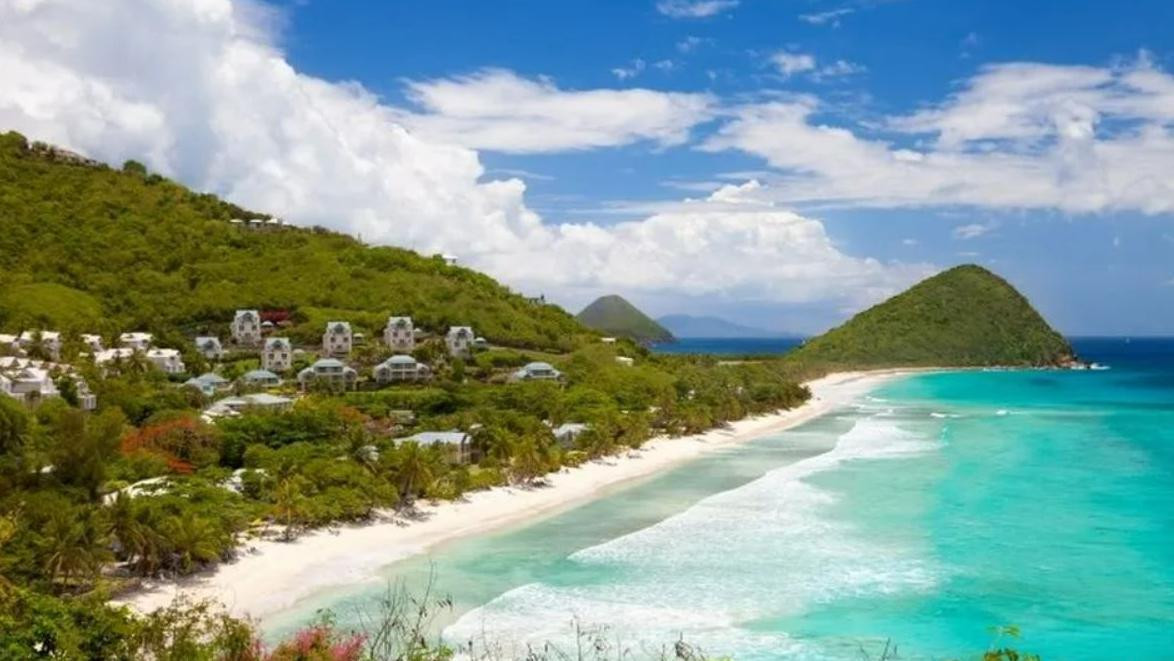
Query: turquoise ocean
[[922, 515]]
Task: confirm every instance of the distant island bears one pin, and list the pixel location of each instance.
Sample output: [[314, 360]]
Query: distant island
[[691, 326], [963, 317], [613, 315]]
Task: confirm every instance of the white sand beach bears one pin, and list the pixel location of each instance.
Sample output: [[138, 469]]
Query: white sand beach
[[271, 575]]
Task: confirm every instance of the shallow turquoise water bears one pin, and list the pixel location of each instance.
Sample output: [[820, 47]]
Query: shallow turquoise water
[[933, 509]]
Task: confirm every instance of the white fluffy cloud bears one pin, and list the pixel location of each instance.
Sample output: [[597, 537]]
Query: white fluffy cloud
[[499, 110], [197, 89], [695, 8], [789, 63], [1079, 139]]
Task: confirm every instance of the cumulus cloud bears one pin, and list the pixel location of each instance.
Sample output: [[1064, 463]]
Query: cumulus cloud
[[1078, 139], [695, 8], [197, 90], [501, 111], [789, 63]]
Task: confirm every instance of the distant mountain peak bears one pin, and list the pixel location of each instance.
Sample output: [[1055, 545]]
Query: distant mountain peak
[[687, 325], [614, 315]]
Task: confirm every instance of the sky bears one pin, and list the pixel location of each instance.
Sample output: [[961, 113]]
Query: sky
[[778, 163]]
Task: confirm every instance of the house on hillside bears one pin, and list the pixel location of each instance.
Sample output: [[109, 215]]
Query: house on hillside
[[167, 360], [459, 341], [208, 383], [568, 432], [136, 341], [458, 443], [10, 345], [209, 347], [92, 342], [328, 371], [338, 338], [277, 356], [117, 354], [30, 381], [48, 341], [400, 368], [260, 379], [233, 406], [400, 334], [625, 361], [246, 328], [537, 371]]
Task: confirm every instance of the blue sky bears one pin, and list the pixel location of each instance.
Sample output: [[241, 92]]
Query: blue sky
[[781, 163]]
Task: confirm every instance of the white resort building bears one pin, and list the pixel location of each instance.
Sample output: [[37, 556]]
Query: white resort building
[[401, 368], [208, 383], [260, 379], [30, 381], [337, 339], [328, 371], [459, 341], [537, 371], [246, 328], [136, 341], [458, 443], [10, 345], [277, 355], [233, 406], [400, 334], [209, 347], [92, 342], [48, 341], [167, 360]]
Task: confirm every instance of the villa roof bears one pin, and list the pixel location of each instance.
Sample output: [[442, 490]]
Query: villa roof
[[328, 362], [439, 438], [259, 375], [400, 359], [338, 326], [210, 378], [277, 342]]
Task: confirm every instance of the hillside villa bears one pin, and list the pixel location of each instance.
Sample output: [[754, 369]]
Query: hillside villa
[[459, 341], [328, 371], [399, 368], [246, 328], [400, 334], [209, 347], [29, 381], [136, 341], [458, 443], [537, 371], [92, 342], [48, 341], [234, 406], [260, 379], [568, 432], [337, 339], [208, 383], [277, 356], [167, 360]]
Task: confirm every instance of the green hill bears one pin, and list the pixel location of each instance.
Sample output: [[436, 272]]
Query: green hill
[[88, 248], [613, 315], [966, 316]]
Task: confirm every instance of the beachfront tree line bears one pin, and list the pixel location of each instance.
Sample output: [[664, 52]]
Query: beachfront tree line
[[73, 529]]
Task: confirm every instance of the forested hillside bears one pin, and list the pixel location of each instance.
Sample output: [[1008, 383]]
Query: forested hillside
[[614, 315], [88, 248], [966, 316]]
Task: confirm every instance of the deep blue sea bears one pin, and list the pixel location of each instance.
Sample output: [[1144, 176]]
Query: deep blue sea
[[928, 511]]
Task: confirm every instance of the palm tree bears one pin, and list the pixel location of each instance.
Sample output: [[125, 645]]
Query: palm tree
[[528, 459], [289, 503], [414, 470], [194, 540], [73, 546], [137, 531]]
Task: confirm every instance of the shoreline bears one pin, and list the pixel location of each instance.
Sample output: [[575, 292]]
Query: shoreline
[[269, 576]]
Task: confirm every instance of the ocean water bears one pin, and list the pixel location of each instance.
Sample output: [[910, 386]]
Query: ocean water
[[925, 513], [729, 345]]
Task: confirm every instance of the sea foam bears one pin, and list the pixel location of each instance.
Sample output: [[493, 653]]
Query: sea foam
[[767, 549]]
